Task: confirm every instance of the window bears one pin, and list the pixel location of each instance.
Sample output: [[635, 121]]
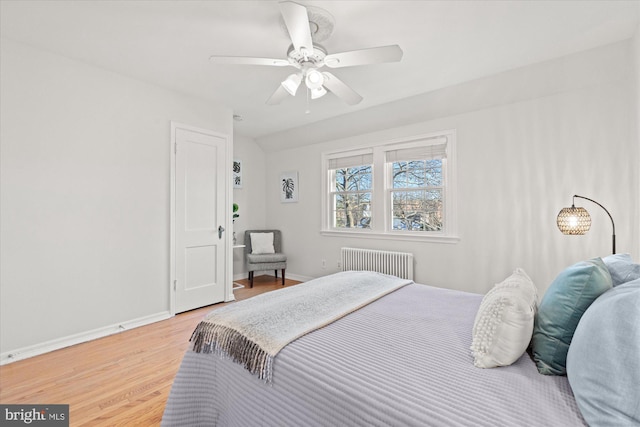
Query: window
[[416, 191], [350, 193], [402, 189]]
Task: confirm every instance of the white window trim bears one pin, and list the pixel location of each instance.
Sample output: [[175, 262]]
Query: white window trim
[[380, 210]]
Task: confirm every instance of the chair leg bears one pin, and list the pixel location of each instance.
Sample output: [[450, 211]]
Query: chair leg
[[276, 273], [283, 277], [251, 279]]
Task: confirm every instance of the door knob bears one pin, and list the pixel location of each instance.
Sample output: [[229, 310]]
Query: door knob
[[220, 231]]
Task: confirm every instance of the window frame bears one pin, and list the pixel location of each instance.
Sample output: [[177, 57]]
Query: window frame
[[390, 190], [381, 226]]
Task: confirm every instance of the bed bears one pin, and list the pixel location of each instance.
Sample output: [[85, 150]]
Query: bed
[[401, 360]]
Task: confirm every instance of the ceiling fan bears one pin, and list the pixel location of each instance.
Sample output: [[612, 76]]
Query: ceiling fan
[[305, 26]]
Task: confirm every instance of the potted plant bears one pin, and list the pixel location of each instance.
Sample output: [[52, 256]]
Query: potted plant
[[235, 215], [235, 211]]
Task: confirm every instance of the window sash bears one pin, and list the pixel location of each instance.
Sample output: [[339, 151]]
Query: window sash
[[422, 218], [358, 216], [334, 178], [427, 175]]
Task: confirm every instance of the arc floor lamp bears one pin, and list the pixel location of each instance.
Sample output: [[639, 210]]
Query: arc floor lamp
[[577, 221]]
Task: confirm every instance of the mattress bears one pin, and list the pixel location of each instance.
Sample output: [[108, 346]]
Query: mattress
[[402, 360]]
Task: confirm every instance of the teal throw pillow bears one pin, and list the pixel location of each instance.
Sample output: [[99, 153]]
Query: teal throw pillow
[[562, 306]]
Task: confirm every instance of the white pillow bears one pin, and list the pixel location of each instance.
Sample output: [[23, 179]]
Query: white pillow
[[504, 323], [262, 243]]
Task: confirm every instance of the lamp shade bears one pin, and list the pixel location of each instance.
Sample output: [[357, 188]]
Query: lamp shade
[[574, 220], [291, 83]]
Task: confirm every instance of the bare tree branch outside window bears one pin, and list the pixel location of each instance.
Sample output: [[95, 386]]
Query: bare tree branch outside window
[[352, 197]]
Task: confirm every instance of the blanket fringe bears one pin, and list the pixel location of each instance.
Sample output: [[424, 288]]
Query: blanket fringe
[[221, 340]]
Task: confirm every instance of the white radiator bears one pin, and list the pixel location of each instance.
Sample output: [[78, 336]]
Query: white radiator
[[395, 263]]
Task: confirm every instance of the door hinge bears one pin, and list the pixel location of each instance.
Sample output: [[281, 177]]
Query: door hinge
[[175, 285], [175, 148]]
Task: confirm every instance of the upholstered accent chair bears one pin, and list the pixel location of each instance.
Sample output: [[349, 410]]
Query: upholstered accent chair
[[263, 252]]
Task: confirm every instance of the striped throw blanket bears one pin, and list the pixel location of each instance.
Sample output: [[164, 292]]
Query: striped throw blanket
[[253, 331]]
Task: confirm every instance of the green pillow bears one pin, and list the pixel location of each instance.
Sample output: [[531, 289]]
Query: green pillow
[[562, 306]]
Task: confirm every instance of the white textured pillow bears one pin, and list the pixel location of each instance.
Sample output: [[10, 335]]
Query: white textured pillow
[[262, 243], [504, 322]]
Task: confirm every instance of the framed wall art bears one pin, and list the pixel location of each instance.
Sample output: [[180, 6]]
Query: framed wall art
[[289, 187], [237, 173]]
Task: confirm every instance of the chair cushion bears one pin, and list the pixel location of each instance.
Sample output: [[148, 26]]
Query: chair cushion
[[263, 258]]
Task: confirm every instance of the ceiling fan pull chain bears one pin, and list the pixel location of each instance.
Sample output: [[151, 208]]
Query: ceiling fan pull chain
[[307, 111]]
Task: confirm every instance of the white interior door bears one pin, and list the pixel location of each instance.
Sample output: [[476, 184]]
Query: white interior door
[[200, 215]]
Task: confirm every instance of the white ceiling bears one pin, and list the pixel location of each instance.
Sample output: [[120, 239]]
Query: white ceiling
[[168, 43]]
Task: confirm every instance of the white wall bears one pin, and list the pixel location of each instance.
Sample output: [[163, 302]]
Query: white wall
[[518, 165], [84, 196], [250, 198], [636, 125]]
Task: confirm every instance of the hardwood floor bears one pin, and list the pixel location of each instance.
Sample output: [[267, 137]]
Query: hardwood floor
[[119, 380]]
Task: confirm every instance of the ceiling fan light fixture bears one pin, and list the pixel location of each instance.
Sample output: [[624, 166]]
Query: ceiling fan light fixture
[[291, 83], [318, 93], [314, 79]]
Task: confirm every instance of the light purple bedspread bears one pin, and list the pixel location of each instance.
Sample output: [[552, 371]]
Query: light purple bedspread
[[402, 360]]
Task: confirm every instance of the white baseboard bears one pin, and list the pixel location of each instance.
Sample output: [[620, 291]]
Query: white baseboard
[[56, 344], [239, 276]]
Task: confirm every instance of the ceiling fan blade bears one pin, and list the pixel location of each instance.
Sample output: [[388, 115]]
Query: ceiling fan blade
[[297, 21], [340, 89], [277, 96], [247, 60], [374, 55]]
